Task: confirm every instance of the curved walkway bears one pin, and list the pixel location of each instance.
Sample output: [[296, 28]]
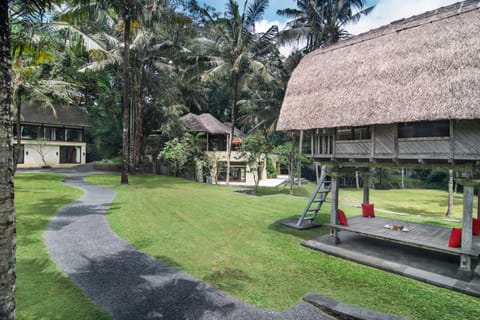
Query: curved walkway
[[130, 284]]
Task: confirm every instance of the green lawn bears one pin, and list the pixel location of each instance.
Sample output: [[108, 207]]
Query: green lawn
[[231, 241], [419, 202], [43, 292]]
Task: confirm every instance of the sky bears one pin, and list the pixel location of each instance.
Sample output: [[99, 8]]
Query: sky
[[385, 12]]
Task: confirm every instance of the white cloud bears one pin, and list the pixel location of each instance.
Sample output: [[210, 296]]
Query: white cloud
[[264, 25], [387, 11]]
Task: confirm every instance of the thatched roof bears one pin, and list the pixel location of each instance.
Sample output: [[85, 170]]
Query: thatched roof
[[423, 68], [205, 122], [63, 116]]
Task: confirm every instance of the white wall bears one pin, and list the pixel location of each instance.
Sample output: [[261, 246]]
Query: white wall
[[33, 151], [221, 156]]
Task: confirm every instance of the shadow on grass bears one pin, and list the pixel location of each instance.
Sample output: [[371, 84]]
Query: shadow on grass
[[302, 234], [229, 279]]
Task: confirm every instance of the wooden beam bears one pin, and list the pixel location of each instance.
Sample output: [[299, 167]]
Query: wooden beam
[[388, 163], [452, 140]]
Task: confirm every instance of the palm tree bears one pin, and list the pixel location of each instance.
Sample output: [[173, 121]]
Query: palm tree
[[135, 52], [319, 23], [7, 211], [30, 81], [25, 9], [238, 50]]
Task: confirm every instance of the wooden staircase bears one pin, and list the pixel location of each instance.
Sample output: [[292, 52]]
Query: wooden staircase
[[314, 204]]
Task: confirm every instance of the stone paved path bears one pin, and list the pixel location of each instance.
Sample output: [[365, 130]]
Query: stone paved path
[[130, 284]]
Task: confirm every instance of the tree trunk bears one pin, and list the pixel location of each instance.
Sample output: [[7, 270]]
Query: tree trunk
[[232, 129], [138, 122], [17, 106], [450, 194], [357, 180], [403, 178], [126, 96], [7, 209]]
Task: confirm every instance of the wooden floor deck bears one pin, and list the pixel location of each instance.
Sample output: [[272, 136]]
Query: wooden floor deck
[[418, 235]]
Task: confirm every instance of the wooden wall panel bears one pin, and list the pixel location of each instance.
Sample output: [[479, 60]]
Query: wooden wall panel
[[361, 148], [430, 148], [385, 140], [467, 139]]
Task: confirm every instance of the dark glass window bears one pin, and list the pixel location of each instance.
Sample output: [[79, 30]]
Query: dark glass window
[[237, 171], [425, 129], [60, 134], [49, 133], [70, 154], [74, 135], [31, 132], [357, 133]]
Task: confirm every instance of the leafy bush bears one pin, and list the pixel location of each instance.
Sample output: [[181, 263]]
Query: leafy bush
[[437, 179], [271, 170]]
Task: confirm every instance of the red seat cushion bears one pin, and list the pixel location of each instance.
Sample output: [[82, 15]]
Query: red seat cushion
[[342, 218], [367, 210], [455, 238], [475, 226]]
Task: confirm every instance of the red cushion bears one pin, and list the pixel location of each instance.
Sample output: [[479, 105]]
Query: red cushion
[[342, 218], [475, 226], [455, 238], [368, 210]]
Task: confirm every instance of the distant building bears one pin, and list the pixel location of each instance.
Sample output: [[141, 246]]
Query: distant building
[[49, 138], [215, 142]]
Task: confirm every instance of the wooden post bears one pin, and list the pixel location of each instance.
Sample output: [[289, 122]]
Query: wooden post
[[465, 270], [300, 151], [366, 187], [333, 213]]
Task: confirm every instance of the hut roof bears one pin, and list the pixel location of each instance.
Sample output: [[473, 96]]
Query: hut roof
[[205, 122], [63, 116], [423, 68]]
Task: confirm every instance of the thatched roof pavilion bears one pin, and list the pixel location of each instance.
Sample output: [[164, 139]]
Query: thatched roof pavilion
[[406, 94], [426, 67], [207, 123], [217, 133]]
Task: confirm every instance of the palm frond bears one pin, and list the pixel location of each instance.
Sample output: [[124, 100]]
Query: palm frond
[[89, 42]]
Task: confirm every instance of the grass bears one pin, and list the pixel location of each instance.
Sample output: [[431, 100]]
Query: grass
[[43, 292], [419, 202], [231, 241]]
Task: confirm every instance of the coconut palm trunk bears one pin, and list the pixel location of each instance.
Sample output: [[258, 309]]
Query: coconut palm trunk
[[7, 210], [232, 129], [126, 96]]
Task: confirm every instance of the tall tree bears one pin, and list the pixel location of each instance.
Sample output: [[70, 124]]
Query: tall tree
[[9, 9], [7, 210], [239, 50], [318, 23]]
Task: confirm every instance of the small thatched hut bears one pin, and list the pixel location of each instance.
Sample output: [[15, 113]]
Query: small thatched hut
[[216, 133], [406, 94]]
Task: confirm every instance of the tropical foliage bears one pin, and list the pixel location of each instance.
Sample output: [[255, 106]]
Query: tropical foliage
[[138, 66]]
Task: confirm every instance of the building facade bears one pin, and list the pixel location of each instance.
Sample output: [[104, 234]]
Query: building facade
[[51, 138]]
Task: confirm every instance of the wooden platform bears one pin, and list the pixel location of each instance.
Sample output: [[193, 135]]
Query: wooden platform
[[419, 235]]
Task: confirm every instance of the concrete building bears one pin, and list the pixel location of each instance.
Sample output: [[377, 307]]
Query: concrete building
[[52, 138]]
